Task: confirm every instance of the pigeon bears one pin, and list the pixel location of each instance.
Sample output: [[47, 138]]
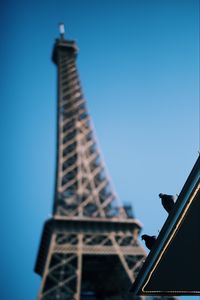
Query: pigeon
[[168, 201], [149, 240]]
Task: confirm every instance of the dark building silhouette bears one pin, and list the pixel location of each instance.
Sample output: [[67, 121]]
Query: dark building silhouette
[[89, 248], [173, 265]]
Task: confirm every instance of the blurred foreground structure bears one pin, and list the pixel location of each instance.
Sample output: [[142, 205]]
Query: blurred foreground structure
[[89, 248], [173, 265]]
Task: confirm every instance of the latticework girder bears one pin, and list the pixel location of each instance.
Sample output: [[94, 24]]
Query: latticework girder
[[75, 257], [89, 249], [83, 188]]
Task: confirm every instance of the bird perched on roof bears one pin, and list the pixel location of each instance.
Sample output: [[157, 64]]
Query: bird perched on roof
[[168, 201], [149, 240]]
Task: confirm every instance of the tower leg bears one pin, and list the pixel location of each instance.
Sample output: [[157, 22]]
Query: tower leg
[[62, 273]]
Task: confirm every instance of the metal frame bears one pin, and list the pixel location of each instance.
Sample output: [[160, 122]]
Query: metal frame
[[83, 193]]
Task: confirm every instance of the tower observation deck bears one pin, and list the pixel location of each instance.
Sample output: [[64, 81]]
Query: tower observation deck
[[89, 248]]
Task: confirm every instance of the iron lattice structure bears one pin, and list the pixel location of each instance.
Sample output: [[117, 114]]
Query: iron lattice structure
[[89, 248]]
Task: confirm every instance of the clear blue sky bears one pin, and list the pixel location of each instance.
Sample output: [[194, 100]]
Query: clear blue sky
[[139, 67]]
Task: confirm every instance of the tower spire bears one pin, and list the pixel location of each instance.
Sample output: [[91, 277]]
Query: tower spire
[[62, 30]]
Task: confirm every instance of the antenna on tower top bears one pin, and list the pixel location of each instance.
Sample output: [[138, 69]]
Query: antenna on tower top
[[62, 30]]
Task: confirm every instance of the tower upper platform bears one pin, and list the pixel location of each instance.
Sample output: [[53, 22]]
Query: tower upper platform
[[64, 45]]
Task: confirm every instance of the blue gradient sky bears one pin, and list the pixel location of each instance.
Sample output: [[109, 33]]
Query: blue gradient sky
[[138, 65]]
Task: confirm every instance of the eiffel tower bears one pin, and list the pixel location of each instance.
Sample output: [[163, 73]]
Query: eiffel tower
[[89, 248]]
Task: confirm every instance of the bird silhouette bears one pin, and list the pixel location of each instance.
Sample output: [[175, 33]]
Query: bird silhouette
[[149, 240], [168, 201]]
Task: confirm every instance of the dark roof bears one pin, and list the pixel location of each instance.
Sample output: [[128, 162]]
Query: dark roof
[[173, 265]]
